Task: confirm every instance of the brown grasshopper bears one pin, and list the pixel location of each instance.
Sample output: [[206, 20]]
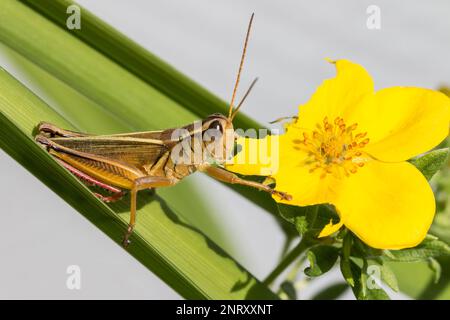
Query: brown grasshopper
[[144, 160]]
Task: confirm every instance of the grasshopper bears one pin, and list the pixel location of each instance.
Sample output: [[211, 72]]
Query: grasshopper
[[131, 162]]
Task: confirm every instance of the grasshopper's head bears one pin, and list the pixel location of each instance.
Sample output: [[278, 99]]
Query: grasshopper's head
[[218, 136]]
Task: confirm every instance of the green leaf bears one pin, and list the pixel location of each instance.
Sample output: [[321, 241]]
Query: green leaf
[[435, 267], [296, 216], [388, 277], [362, 250], [431, 162], [290, 213], [331, 292], [431, 247], [310, 219], [321, 259], [365, 287]]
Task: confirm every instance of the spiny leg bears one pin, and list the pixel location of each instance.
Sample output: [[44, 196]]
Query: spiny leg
[[229, 177], [141, 184]]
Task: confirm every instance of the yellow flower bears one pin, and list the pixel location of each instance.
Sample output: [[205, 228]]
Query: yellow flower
[[349, 148]]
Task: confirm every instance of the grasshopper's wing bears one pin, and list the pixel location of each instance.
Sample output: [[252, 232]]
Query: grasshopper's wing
[[117, 159], [136, 149]]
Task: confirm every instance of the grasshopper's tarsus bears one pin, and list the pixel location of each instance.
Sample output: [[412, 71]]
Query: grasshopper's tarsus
[[282, 195], [126, 239]]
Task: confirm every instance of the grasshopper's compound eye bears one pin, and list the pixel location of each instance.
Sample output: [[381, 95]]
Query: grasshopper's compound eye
[[216, 125]]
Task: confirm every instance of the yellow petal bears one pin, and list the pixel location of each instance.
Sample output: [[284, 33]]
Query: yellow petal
[[256, 157], [387, 205], [330, 228], [306, 188], [337, 95], [402, 122]]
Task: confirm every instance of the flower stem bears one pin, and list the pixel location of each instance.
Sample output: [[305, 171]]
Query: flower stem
[[286, 262]]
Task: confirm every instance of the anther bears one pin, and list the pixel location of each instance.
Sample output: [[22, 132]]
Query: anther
[[361, 135]]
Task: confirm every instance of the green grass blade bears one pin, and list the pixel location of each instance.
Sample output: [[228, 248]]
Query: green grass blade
[[164, 241]]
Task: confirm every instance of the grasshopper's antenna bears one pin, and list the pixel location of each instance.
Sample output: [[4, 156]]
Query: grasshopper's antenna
[[243, 99], [240, 66]]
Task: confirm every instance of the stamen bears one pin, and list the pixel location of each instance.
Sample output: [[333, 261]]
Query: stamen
[[361, 135], [333, 148]]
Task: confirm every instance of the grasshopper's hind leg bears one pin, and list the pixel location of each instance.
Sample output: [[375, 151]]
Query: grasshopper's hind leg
[[52, 131], [117, 193], [148, 182]]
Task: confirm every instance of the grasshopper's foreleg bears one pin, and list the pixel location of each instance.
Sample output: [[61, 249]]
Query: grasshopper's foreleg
[[229, 177], [142, 183]]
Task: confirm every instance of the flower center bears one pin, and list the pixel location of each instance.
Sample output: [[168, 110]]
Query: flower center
[[334, 148]]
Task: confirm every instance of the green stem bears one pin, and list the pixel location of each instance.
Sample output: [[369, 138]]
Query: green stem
[[286, 262]]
